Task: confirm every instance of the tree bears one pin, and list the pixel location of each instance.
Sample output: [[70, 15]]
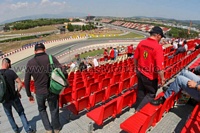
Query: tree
[[83, 28], [70, 27]]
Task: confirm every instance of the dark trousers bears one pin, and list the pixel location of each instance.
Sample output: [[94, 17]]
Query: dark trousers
[[146, 90], [180, 50], [16, 103], [52, 100]]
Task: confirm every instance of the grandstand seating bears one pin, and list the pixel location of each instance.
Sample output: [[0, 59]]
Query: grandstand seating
[[108, 86], [150, 118], [193, 123]]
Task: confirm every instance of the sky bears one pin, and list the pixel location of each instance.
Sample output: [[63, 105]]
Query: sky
[[176, 9]]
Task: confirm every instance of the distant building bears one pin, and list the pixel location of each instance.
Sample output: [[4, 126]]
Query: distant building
[[71, 19], [1, 28], [76, 23], [89, 18]]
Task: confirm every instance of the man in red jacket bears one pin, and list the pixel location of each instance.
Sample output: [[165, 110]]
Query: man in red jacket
[[112, 53], [149, 60]]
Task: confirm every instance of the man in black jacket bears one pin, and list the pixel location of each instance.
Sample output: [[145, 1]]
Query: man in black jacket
[[13, 96], [39, 68]]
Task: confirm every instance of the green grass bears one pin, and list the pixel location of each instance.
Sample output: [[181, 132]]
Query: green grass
[[129, 35], [92, 53], [32, 30]]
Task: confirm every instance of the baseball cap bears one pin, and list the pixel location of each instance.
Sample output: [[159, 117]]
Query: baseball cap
[[8, 61], [157, 30], [39, 46]]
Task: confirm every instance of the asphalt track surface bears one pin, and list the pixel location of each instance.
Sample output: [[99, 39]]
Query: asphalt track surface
[[19, 67]]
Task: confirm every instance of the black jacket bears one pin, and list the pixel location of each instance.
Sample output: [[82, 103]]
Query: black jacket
[[40, 73]]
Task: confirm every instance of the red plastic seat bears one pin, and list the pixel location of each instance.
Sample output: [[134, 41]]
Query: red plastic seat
[[113, 90], [125, 75], [109, 75], [90, 81], [103, 112], [105, 83], [101, 77], [78, 80], [133, 80], [137, 123], [79, 93], [78, 85], [93, 88], [152, 112], [116, 78], [125, 84], [97, 97], [77, 106], [65, 98], [195, 115], [126, 100], [191, 126], [166, 105]]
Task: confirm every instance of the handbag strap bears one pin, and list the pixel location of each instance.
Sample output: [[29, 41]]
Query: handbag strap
[[51, 62]]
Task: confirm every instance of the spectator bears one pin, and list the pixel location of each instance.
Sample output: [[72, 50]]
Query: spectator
[[180, 49], [82, 66], [105, 54], [197, 46], [187, 81], [95, 62], [175, 45], [72, 66], [112, 53], [130, 50], [13, 97], [149, 60], [41, 81], [78, 60], [116, 52], [195, 70]]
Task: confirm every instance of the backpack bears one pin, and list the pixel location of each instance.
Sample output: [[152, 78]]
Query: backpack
[[6, 92], [3, 88], [57, 79]]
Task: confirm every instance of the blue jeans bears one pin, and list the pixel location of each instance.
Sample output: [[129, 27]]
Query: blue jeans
[[52, 100], [16, 103], [181, 83]]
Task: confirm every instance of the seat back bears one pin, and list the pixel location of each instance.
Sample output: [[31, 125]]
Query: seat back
[[65, 98], [83, 104], [79, 85], [90, 81], [116, 78], [97, 97], [94, 87], [105, 83], [125, 84], [114, 90], [80, 92], [110, 109]]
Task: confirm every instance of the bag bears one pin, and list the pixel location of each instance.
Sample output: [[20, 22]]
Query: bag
[[3, 88], [57, 79]]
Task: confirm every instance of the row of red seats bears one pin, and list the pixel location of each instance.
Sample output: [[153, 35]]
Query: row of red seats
[[168, 62], [149, 115], [82, 99], [79, 89], [167, 50], [113, 108], [195, 64], [193, 123]]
